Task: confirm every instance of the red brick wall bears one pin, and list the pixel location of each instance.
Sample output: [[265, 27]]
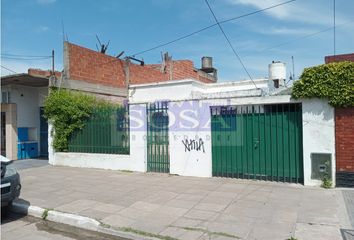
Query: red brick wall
[[344, 120], [340, 58], [94, 67], [42, 73]]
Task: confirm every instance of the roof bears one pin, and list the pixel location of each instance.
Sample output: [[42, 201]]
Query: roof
[[24, 79], [340, 58]]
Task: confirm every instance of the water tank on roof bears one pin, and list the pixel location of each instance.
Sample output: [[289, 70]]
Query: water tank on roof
[[277, 73], [207, 62]]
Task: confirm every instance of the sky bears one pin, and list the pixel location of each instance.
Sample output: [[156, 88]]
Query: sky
[[302, 29]]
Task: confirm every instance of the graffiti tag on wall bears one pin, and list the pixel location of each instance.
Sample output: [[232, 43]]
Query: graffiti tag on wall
[[193, 145]]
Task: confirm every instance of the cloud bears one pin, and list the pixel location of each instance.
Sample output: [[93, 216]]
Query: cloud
[[44, 2], [41, 29], [286, 31], [317, 12]]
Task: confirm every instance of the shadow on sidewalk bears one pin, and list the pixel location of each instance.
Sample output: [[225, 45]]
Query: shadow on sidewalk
[[8, 215], [347, 234]]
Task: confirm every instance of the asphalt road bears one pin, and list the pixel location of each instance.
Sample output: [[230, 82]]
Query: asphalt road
[[15, 226]]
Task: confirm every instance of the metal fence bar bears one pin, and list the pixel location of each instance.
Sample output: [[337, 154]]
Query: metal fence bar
[[106, 131]]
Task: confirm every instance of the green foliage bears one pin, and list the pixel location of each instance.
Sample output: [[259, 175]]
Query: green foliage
[[333, 81], [68, 110], [326, 182]]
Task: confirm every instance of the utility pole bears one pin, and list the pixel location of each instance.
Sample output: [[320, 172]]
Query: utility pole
[[53, 73], [334, 28], [52, 78]]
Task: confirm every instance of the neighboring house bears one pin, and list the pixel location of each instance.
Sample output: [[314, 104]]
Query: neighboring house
[[24, 132], [344, 119], [93, 72], [240, 129]]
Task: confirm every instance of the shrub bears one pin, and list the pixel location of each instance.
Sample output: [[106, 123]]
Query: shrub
[[333, 81], [68, 110]]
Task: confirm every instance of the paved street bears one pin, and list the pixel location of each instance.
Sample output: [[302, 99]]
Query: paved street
[[15, 226], [29, 163], [189, 207]]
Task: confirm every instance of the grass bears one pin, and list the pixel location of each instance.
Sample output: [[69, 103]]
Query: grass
[[146, 234], [45, 213], [139, 232], [208, 232], [326, 182]]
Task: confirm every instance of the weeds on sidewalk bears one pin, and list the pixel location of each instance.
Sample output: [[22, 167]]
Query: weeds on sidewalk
[[326, 182], [210, 233], [138, 232], [45, 213]]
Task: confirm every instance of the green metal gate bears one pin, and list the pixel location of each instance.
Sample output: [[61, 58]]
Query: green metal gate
[[258, 142], [158, 159]]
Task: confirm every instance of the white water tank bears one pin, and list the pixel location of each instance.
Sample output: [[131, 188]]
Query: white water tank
[[277, 73]]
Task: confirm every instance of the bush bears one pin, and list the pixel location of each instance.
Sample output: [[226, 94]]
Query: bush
[[333, 81], [68, 111]]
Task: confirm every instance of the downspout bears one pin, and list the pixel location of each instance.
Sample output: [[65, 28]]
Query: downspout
[[127, 74]]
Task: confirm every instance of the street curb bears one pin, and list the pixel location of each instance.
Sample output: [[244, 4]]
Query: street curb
[[74, 220]]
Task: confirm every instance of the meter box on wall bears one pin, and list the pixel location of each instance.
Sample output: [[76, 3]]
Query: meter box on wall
[[321, 165]]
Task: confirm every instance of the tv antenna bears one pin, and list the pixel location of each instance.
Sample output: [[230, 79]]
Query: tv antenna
[[103, 47]]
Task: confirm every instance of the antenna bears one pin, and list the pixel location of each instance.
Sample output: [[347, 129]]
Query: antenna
[[120, 54], [63, 30], [292, 60], [103, 47]]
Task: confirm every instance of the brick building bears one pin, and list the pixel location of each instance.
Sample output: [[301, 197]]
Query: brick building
[[344, 128], [91, 71]]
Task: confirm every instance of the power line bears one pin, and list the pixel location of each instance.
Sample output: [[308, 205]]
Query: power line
[[20, 55], [303, 37], [229, 42], [210, 26], [8, 69], [23, 58]]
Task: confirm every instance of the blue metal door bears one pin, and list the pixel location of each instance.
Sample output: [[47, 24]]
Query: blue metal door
[[43, 134]]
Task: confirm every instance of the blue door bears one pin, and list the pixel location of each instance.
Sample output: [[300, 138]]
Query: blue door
[[43, 134]]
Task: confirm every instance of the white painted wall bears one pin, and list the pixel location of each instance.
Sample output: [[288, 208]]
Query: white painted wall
[[189, 89], [318, 135], [188, 161], [28, 100], [90, 160]]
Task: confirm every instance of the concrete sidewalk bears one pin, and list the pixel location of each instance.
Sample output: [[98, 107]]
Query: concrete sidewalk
[[189, 207]]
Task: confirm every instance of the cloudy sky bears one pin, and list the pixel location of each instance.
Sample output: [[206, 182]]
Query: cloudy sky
[[302, 29]]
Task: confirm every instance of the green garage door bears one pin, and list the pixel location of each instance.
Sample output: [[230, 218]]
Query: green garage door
[[258, 142]]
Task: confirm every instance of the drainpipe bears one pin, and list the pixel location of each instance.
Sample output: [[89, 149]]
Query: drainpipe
[[127, 73]]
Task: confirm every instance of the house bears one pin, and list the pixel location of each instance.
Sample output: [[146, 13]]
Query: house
[[192, 128], [344, 129], [23, 128], [24, 131], [106, 76]]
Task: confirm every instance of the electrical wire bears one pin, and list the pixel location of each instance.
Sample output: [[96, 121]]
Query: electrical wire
[[202, 29], [303, 37], [210, 26], [20, 55], [8, 69], [23, 58], [230, 44]]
